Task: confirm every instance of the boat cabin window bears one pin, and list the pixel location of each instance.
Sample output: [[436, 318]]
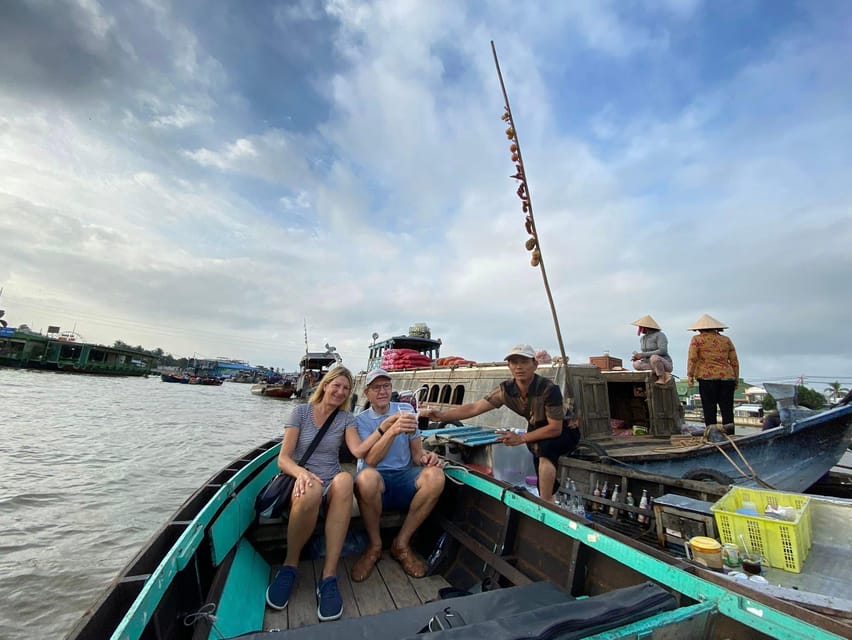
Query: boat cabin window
[[433, 393], [445, 394], [70, 352], [458, 395]]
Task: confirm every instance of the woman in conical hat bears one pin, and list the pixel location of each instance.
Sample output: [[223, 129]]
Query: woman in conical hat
[[713, 362], [654, 350]]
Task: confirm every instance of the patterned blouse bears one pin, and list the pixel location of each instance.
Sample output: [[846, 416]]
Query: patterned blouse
[[712, 356]]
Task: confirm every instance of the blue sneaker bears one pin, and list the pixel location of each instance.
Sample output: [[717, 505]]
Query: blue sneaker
[[278, 593], [330, 605]]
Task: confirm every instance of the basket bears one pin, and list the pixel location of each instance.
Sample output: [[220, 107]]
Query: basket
[[784, 544]]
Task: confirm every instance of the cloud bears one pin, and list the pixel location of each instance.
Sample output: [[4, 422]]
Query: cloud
[[208, 182]]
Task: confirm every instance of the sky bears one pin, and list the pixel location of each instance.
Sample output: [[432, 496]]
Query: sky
[[212, 178]]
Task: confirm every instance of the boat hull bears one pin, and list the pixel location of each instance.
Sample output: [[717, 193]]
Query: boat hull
[[786, 458], [210, 555]]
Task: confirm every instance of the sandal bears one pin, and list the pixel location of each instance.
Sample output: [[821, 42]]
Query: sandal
[[363, 566], [411, 563]]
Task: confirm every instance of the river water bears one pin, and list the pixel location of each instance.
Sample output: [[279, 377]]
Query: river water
[[90, 467]]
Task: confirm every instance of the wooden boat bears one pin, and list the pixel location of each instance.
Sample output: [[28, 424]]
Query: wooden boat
[[312, 367], [274, 390], [178, 378], [206, 381], [520, 568], [791, 457]]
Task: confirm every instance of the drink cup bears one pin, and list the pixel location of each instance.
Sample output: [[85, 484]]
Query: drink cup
[[731, 555], [408, 409], [752, 564]]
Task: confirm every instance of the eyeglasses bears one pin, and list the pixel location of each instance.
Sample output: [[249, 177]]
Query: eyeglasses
[[381, 387]]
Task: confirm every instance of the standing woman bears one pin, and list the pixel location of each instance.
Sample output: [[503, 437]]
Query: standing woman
[[713, 362], [654, 355], [320, 482]]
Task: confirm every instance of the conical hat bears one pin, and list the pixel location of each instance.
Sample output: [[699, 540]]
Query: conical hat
[[646, 321], [707, 322]]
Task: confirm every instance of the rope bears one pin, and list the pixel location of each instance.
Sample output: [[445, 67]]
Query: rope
[[457, 467], [697, 442], [205, 613]]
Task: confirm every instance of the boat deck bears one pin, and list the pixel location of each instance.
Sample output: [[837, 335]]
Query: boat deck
[[387, 588]]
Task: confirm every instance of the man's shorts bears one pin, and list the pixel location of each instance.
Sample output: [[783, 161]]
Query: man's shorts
[[552, 448], [400, 486]]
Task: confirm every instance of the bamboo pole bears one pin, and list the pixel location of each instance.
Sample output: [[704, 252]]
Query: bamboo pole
[[533, 243]]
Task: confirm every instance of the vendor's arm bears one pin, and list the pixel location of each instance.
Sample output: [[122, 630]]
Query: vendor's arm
[[735, 362], [460, 412], [692, 361], [552, 430]]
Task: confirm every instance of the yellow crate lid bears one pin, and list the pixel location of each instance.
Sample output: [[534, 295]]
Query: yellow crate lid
[[705, 544]]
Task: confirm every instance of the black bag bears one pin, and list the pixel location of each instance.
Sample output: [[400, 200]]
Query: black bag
[[274, 499]]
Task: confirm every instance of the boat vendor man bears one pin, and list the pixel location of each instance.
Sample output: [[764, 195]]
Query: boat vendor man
[[549, 433]]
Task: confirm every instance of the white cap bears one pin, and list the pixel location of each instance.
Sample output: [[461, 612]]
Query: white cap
[[376, 373], [524, 350]]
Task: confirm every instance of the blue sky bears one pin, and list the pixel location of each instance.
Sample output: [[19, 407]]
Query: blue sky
[[207, 177]]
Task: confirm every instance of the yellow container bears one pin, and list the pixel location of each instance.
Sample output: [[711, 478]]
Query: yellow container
[[783, 543], [702, 548]]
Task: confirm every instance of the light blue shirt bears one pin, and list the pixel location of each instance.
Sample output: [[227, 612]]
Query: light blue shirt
[[399, 454]]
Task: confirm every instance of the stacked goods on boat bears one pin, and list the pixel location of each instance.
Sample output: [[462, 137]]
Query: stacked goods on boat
[[397, 359], [454, 361]]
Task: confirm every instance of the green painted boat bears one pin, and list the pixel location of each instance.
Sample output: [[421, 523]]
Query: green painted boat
[[519, 567], [25, 349]]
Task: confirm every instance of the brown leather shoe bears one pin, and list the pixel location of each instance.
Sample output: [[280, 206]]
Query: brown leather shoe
[[363, 566], [410, 561]]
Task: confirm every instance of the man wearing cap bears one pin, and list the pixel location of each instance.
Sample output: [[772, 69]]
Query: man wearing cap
[[395, 473], [549, 434]]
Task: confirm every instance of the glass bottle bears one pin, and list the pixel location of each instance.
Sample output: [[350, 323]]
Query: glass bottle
[[612, 510], [597, 494], [630, 503], [576, 501], [643, 504]]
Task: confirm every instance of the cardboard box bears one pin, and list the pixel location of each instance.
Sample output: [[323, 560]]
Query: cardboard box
[[605, 363]]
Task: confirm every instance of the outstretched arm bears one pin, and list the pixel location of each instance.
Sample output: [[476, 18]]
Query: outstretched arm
[[460, 412]]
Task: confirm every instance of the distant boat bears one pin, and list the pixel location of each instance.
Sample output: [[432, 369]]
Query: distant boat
[[23, 348], [174, 377], [312, 367], [274, 389]]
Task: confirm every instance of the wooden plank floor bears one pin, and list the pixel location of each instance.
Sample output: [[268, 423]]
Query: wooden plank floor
[[388, 587]]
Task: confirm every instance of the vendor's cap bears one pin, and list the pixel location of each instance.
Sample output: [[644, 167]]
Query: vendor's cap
[[524, 350], [707, 322], [646, 321], [376, 373]]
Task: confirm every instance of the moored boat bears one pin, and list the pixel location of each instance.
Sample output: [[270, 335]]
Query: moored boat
[[519, 568], [790, 457]]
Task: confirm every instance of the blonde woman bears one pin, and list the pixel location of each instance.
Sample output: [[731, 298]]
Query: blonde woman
[[320, 482]]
